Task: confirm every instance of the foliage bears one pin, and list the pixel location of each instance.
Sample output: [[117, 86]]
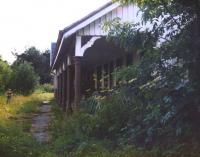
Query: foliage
[[5, 74], [14, 124], [40, 62], [14, 143], [108, 131], [44, 88], [23, 75], [164, 86], [92, 104], [24, 79]]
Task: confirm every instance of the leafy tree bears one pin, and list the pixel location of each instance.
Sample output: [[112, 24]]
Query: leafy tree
[[5, 73], [177, 22], [165, 85], [24, 79], [40, 62]]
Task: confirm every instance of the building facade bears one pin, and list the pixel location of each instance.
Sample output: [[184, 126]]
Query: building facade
[[83, 61]]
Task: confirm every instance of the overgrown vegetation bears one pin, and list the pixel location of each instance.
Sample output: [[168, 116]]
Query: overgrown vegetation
[[30, 69], [24, 79], [111, 126], [44, 88], [162, 89], [116, 127], [155, 111], [5, 74], [39, 60], [15, 122]]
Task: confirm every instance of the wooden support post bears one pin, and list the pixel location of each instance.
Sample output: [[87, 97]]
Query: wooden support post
[[58, 89], [77, 82], [58, 99], [68, 87], [64, 86], [62, 89], [65, 91], [69, 90], [96, 79], [56, 86], [124, 64], [114, 76], [91, 82], [102, 77], [109, 76], [136, 57], [60, 102], [124, 61]]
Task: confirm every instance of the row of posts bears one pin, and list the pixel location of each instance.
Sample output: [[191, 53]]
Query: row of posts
[[68, 91], [65, 80], [105, 76]]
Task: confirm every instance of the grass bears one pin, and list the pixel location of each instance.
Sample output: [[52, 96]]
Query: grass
[[73, 136], [15, 139], [77, 136], [21, 104]]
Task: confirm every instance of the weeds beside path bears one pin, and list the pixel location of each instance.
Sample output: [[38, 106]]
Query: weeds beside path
[[15, 123]]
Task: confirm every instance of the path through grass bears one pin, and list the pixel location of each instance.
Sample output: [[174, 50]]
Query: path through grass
[[41, 123], [15, 123]]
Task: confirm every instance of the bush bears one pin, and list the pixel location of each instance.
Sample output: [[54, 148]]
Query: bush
[[116, 126], [45, 88], [111, 118], [15, 122], [24, 79], [5, 74], [14, 143]]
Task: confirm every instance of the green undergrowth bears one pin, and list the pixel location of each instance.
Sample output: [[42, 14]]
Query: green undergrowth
[[44, 88], [99, 129], [15, 123]]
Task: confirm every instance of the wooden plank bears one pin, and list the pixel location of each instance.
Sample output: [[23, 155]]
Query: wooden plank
[[87, 30], [103, 19], [125, 13], [120, 12], [114, 14], [92, 29], [102, 77], [98, 27]]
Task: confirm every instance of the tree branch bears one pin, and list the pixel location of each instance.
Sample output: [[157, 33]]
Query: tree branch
[[170, 14]]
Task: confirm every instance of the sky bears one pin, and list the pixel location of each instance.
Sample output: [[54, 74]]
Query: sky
[[25, 23]]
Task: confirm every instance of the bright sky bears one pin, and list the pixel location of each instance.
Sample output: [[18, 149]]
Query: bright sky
[[25, 23]]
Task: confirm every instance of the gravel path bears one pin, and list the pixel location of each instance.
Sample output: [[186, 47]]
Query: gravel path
[[40, 123]]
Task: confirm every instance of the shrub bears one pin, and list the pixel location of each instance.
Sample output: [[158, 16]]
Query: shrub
[[44, 88], [14, 143], [24, 79], [91, 149], [5, 74], [14, 124], [120, 127], [92, 104]]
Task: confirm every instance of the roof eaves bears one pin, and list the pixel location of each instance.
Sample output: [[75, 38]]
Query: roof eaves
[[87, 17], [65, 30]]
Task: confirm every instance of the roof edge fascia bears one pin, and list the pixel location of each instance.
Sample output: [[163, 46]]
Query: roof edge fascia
[[84, 23]]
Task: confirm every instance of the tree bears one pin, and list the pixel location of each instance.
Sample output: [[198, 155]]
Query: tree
[[24, 79], [5, 73], [165, 84], [40, 62], [179, 27]]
